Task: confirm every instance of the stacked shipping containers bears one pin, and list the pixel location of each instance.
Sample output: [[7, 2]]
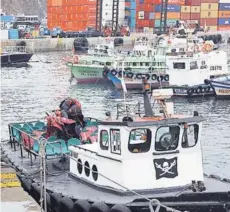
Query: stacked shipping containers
[[173, 13], [224, 15], [209, 14], [145, 14], [71, 15]]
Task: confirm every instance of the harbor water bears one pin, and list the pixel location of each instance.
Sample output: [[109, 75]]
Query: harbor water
[[27, 93]]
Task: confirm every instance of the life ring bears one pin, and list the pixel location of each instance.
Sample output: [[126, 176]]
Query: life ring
[[129, 75], [114, 72], [154, 77], [139, 76], [75, 59], [166, 77], [120, 208], [66, 204], [190, 91], [99, 207], [207, 47], [160, 78], [81, 205]]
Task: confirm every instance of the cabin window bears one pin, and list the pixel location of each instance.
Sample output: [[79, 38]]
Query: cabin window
[[179, 65], [108, 63], [139, 140], [104, 140], [167, 138], [115, 141], [147, 64], [193, 65], [134, 64], [190, 135]]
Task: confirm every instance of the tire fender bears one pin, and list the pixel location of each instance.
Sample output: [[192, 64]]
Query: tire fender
[[81, 205], [66, 204], [120, 208], [55, 200], [99, 207]]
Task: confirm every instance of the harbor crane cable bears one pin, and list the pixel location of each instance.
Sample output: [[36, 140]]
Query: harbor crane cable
[[43, 142]]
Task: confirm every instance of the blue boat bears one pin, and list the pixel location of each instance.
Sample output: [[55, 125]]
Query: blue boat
[[221, 86]]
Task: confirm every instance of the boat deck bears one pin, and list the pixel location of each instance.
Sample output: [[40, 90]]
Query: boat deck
[[61, 182]]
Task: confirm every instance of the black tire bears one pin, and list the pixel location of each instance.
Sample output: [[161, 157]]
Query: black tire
[[81, 206], [37, 193], [207, 89], [55, 200], [190, 91], [160, 78], [114, 72], [120, 73], [129, 75], [166, 77], [154, 77], [99, 207], [66, 204], [120, 208], [199, 89], [33, 191], [139, 76], [26, 184], [147, 76]]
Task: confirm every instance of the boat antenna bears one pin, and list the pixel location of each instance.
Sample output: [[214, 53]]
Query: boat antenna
[[123, 85]]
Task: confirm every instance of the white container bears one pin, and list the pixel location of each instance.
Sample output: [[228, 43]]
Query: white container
[[224, 1], [4, 34]]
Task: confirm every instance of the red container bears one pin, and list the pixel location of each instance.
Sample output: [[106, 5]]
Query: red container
[[193, 2], [185, 16], [146, 16], [208, 21], [195, 16]]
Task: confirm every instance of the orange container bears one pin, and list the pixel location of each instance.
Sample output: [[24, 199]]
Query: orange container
[[209, 14], [170, 15], [223, 28], [49, 3], [224, 14], [208, 21]]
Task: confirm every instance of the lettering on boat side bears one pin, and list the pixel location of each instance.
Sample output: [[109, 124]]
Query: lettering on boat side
[[165, 168], [215, 68], [224, 91]]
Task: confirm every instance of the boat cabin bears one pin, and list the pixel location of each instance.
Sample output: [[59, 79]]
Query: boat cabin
[[144, 153]]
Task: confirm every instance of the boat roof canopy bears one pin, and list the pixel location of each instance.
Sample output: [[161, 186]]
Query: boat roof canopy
[[195, 119]]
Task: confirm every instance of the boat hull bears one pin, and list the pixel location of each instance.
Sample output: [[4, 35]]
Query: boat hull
[[15, 58], [221, 89], [86, 74]]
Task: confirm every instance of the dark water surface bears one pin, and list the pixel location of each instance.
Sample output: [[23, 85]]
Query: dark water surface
[[28, 92]]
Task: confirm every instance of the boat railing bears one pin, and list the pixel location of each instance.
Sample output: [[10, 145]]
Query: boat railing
[[16, 49]]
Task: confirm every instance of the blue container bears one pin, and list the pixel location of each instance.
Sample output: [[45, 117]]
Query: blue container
[[170, 8], [169, 22], [224, 6], [133, 14], [7, 18], [141, 1], [224, 22], [13, 34], [151, 15]]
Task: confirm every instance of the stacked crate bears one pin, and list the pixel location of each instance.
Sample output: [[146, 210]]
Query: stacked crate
[[145, 15], [209, 14], [224, 15], [173, 11]]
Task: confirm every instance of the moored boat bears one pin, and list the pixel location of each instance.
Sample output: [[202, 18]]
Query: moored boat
[[15, 55], [144, 162], [220, 85]]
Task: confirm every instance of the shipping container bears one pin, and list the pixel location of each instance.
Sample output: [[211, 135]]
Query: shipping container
[[151, 15], [194, 2], [223, 28], [212, 28], [146, 16], [208, 21], [170, 7], [13, 34], [209, 14], [224, 1], [170, 22], [174, 2], [224, 14], [209, 1], [185, 16], [195, 9], [209, 6], [224, 6], [4, 34], [223, 21], [195, 16], [170, 15], [185, 9]]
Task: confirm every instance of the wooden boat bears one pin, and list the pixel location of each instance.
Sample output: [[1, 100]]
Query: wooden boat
[[143, 162]]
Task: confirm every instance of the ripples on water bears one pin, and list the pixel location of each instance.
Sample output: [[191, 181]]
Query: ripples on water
[[27, 93]]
